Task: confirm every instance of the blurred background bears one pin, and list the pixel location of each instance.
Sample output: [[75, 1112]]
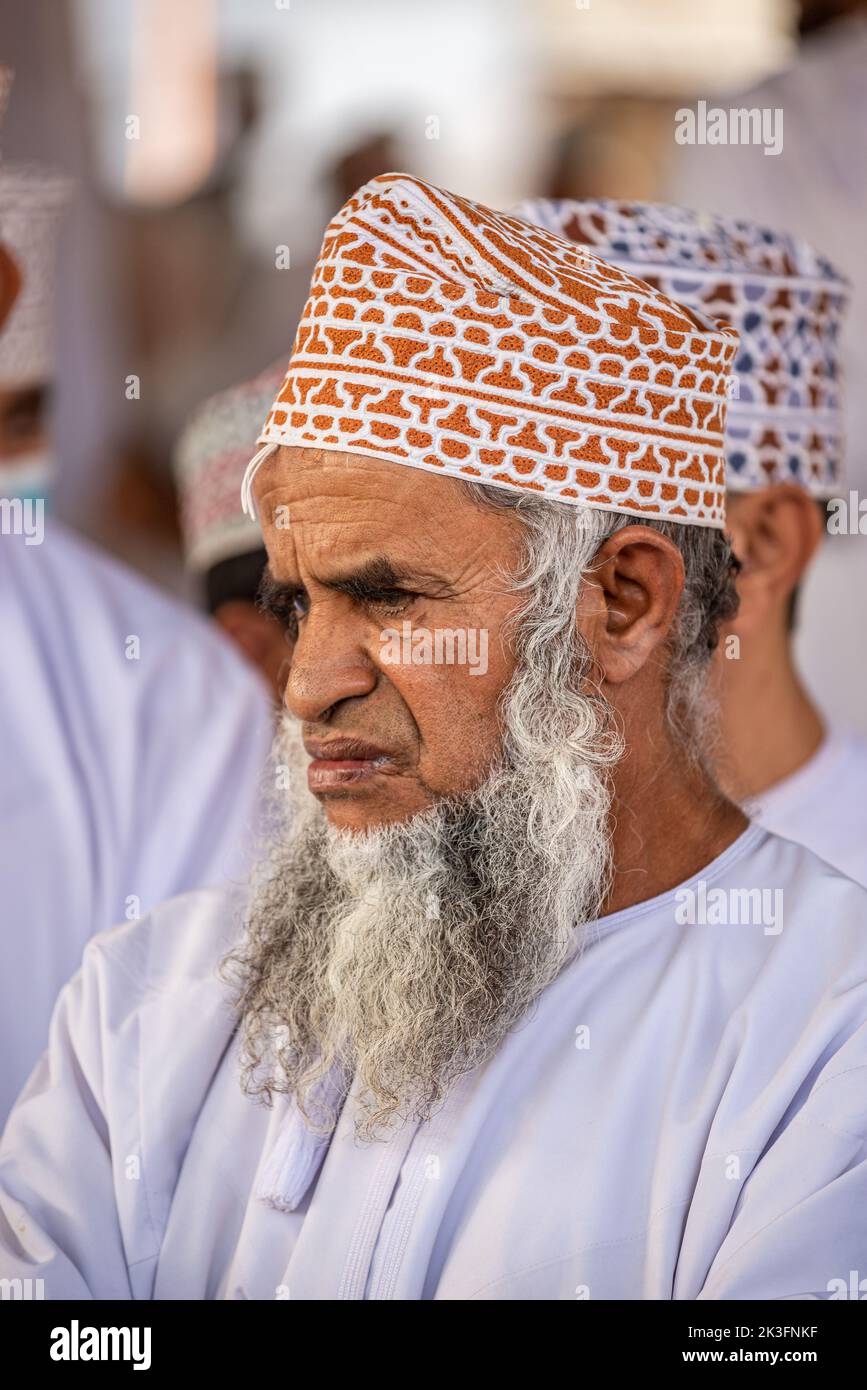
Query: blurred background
[[209, 141]]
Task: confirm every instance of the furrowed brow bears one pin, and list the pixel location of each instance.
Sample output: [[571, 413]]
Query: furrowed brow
[[273, 595], [373, 577]]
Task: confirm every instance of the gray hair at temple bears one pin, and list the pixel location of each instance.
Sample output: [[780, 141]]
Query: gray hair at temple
[[562, 542]]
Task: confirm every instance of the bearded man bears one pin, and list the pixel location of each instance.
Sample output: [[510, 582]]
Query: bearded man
[[523, 1007], [800, 775]]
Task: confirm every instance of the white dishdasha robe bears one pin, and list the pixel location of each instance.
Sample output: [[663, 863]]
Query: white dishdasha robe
[[682, 1115], [134, 740]]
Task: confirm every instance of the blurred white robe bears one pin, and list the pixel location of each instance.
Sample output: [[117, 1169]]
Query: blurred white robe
[[682, 1115], [124, 781], [824, 804]]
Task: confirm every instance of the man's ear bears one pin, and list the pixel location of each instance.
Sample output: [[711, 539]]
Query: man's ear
[[633, 591], [774, 533]]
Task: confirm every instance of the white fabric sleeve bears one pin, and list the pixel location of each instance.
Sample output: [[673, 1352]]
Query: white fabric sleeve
[[207, 729], [799, 1230], [59, 1218]]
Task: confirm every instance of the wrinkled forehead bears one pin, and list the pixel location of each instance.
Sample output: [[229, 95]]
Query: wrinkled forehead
[[350, 501], [288, 475], [325, 513], [323, 475]]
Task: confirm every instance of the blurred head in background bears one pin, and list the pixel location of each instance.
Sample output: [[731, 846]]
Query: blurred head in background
[[31, 204], [10, 283], [784, 441], [10, 278], [221, 545], [816, 14]]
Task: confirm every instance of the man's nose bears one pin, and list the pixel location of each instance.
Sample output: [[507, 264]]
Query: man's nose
[[329, 663]]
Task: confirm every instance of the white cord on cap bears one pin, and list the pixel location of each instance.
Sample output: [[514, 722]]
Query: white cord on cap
[[247, 504]]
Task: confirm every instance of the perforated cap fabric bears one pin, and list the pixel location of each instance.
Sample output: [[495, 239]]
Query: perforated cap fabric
[[787, 302], [445, 336], [210, 458], [32, 201], [6, 79]]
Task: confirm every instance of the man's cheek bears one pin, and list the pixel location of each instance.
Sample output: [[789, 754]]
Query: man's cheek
[[458, 741]]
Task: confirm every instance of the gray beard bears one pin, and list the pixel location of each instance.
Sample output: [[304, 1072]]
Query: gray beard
[[401, 956]]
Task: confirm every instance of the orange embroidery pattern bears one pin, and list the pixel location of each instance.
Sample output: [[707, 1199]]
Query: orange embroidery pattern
[[448, 337]]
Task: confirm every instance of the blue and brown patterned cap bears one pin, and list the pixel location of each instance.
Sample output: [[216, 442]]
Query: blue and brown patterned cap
[[785, 418]]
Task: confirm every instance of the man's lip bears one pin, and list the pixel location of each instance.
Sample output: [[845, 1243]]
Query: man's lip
[[344, 750], [338, 763]]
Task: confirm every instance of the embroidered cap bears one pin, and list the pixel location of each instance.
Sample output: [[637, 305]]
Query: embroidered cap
[[32, 201], [210, 457], [785, 418], [448, 337]]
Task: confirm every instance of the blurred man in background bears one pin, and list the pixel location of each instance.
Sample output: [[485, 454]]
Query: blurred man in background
[[222, 546], [816, 188], [503, 1049], [10, 280], [784, 456], [133, 736], [10, 283], [31, 205]]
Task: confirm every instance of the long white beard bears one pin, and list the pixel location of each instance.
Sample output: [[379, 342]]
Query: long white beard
[[403, 955]]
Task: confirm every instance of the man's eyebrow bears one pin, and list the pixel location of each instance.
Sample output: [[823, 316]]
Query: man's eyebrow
[[273, 595], [371, 578]]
